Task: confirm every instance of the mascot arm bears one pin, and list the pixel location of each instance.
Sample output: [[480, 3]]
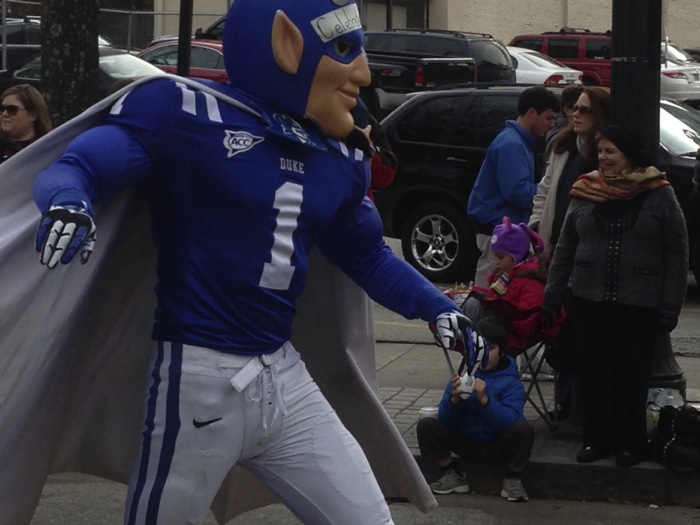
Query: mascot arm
[[86, 173], [354, 243]]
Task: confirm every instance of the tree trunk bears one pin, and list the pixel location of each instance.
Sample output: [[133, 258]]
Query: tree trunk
[[69, 56]]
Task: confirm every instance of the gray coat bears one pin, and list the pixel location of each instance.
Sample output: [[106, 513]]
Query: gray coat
[[644, 264]]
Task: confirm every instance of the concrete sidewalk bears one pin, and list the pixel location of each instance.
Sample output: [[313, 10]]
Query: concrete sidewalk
[[553, 471]]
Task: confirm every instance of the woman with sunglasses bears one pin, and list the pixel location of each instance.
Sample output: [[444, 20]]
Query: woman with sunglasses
[[574, 152], [24, 118]]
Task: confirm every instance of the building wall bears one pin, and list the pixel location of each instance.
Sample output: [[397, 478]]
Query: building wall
[[506, 18], [502, 18]]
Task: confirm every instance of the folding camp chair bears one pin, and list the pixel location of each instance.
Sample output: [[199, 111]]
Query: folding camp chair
[[533, 359]]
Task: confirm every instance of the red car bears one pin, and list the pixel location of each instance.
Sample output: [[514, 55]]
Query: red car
[[206, 58]]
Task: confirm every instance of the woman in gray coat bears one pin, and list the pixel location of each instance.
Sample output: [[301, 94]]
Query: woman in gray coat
[[623, 249]]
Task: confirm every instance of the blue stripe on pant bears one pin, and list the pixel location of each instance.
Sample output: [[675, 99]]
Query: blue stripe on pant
[[168, 361]]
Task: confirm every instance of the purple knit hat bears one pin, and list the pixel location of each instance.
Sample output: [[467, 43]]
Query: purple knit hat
[[515, 240]]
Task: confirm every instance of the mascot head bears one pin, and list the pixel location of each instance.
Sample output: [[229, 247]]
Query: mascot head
[[303, 56]]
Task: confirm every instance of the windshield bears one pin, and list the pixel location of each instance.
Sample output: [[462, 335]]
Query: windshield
[[103, 41], [127, 66], [679, 128], [542, 60], [671, 52]]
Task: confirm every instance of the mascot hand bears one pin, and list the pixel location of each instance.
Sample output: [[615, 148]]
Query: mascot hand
[[63, 232], [449, 329]]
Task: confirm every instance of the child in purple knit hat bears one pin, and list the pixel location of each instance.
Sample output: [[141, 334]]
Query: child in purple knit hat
[[515, 291]]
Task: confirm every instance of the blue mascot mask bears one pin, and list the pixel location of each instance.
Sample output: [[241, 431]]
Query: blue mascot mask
[[327, 27]]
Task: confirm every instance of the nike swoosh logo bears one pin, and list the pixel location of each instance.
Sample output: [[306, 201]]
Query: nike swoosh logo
[[200, 424]]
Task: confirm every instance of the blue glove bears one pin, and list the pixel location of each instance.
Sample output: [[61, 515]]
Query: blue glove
[[64, 231], [449, 329]]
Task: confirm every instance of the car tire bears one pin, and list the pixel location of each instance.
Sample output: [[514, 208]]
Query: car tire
[[438, 240]]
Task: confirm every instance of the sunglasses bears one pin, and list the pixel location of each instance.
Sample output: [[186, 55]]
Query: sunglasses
[[11, 109], [584, 110]]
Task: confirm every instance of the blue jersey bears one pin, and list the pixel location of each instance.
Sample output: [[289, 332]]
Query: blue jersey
[[237, 198]]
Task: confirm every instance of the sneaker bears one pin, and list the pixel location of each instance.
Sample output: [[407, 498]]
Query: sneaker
[[513, 490], [450, 482]]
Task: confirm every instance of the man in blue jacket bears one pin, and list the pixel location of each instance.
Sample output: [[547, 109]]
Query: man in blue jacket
[[506, 183], [488, 423]]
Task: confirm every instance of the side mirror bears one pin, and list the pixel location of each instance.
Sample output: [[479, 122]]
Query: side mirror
[[198, 33]]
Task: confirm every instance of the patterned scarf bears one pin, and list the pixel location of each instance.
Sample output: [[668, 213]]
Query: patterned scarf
[[623, 186]]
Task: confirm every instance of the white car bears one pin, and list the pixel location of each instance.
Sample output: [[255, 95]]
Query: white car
[[680, 81], [533, 67]]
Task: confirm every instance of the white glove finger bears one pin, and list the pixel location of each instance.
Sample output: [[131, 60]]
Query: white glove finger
[[59, 238], [51, 241], [88, 247], [448, 329]]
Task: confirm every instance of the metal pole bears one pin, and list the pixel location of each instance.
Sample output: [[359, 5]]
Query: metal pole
[[389, 14], [184, 36], [4, 34], [636, 59]]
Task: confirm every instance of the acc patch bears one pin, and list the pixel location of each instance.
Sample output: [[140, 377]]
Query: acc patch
[[239, 141]]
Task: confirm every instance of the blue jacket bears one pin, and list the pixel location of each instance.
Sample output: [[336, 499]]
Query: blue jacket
[[505, 185], [505, 407]]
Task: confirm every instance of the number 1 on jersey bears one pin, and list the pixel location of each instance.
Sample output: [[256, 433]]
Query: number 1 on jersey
[[277, 274]]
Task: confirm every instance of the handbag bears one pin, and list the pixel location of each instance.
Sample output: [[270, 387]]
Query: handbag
[[675, 443]]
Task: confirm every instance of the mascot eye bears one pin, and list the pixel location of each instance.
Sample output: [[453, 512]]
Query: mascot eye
[[342, 49]]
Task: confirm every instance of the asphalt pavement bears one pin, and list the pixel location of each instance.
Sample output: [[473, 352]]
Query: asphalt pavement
[[411, 373]]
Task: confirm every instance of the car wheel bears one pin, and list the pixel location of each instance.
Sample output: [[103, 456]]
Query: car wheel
[[438, 241]]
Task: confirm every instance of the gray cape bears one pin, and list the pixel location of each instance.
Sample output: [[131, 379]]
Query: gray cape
[[75, 344]]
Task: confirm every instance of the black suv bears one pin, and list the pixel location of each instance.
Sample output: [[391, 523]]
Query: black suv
[[440, 140], [493, 63], [23, 37]]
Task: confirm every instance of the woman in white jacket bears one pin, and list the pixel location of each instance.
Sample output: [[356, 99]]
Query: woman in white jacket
[[573, 154]]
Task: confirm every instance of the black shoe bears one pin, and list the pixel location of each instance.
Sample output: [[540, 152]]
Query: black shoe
[[626, 459], [590, 454]]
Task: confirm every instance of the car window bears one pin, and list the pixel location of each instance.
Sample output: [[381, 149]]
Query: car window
[[127, 66], [205, 58], [495, 110], [15, 34], [598, 48], [679, 129], [467, 129], [216, 31], [483, 119], [488, 53], [529, 43], [441, 47], [428, 121], [563, 48], [163, 56], [394, 43], [31, 69], [671, 52], [542, 60], [33, 34]]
